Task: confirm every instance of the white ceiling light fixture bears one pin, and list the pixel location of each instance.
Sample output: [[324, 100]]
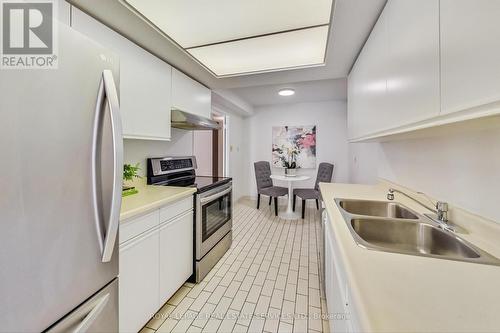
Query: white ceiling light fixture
[[286, 92], [231, 38]]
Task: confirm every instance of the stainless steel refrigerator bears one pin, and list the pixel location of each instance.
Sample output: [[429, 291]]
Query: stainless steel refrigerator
[[61, 161]]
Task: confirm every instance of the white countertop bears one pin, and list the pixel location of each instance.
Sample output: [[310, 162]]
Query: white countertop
[[403, 293], [151, 197]]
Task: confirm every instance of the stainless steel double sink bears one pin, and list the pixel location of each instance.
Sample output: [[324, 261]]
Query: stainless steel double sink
[[392, 227]]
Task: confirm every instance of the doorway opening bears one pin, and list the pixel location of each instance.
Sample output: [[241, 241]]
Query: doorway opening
[[209, 147]]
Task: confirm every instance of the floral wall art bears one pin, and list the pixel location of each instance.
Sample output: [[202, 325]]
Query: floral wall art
[[294, 147]]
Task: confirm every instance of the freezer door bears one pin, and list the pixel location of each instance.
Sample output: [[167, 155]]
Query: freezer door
[[98, 314], [60, 184]]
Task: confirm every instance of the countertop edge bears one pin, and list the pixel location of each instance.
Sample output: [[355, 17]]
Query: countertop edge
[[129, 214]]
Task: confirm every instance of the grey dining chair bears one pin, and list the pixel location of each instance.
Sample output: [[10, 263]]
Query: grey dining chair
[[265, 184], [325, 173]]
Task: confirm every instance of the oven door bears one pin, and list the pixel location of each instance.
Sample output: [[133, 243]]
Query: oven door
[[214, 213]]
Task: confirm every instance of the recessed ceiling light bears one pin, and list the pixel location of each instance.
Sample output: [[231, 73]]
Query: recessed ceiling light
[[286, 92]]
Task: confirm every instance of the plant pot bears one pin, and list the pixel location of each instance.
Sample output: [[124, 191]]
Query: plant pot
[[128, 190], [290, 172]]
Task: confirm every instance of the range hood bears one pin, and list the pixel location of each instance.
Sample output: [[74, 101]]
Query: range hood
[[188, 121]]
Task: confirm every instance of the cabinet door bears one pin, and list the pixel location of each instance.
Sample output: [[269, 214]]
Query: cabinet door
[[139, 282], [413, 62], [190, 96], [368, 84], [335, 288], [329, 288], [470, 53], [145, 82], [176, 254], [63, 11]]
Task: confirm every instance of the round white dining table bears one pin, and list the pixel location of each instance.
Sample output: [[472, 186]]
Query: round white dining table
[[289, 214]]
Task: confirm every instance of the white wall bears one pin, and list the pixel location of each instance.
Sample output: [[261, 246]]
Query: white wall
[[202, 149], [237, 154], [331, 120], [136, 151], [459, 164], [363, 163]]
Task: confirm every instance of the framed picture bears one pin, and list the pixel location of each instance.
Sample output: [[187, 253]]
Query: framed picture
[[294, 146]]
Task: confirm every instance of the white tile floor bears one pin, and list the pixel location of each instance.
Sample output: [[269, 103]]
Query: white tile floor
[[267, 282]]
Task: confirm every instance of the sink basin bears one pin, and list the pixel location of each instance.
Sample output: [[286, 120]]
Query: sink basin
[[391, 227], [378, 209], [411, 238]]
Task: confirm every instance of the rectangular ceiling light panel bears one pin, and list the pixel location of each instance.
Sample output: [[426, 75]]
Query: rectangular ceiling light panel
[[192, 23], [287, 50]]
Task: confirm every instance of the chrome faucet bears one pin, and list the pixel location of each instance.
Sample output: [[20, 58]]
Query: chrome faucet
[[440, 209]]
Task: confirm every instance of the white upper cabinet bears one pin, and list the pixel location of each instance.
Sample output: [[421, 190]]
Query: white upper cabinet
[[395, 80], [190, 96], [470, 51], [439, 62], [145, 82], [368, 84], [413, 62]]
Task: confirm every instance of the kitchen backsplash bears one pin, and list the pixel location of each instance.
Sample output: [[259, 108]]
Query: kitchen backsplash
[[137, 151], [459, 164]]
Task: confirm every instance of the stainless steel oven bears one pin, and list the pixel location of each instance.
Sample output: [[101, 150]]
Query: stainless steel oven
[[213, 208], [214, 221]]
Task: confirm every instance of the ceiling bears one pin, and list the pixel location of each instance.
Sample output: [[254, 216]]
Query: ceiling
[[351, 24], [245, 36], [309, 91]]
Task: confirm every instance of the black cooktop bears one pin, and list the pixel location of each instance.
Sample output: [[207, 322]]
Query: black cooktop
[[180, 171], [205, 183], [202, 183]]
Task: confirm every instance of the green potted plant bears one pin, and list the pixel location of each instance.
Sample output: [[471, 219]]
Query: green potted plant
[[129, 173]]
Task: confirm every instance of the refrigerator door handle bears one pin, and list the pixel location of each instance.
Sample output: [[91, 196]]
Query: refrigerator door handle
[[92, 315], [82, 319], [108, 93]]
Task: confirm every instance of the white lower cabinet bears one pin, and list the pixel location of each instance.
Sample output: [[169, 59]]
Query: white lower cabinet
[[341, 315], [176, 254], [139, 280], [156, 258]]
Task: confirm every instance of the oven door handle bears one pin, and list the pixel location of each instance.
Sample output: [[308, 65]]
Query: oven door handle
[[215, 196]]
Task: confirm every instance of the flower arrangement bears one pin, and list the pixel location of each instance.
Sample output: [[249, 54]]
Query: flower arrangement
[[291, 161]]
